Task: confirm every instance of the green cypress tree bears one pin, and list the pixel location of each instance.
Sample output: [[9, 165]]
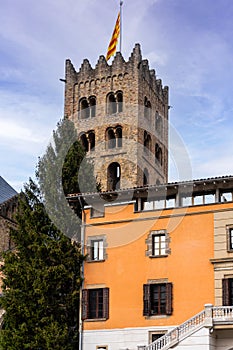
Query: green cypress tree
[[42, 275], [41, 282], [64, 169]]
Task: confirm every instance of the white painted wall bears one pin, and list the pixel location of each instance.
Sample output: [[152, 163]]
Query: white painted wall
[[130, 338], [199, 340], [224, 339], [119, 339]]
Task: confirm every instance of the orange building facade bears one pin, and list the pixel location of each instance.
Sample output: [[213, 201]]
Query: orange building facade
[[151, 262], [159, 266]]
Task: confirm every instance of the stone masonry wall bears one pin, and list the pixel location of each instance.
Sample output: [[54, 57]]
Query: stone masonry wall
[[7, 211], [134, 79]]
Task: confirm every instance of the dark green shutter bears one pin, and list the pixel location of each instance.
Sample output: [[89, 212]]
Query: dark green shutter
[[146, 300]]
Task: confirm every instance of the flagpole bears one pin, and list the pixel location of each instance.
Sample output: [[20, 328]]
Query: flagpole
[[121, 3]]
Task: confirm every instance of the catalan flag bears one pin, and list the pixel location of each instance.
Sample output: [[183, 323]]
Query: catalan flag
[[113, 42]]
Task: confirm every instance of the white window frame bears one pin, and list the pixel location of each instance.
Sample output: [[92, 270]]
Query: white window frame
[[161, 250], [96, 248]]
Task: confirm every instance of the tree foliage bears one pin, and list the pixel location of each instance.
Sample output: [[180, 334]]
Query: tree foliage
[[41, 282], [65, 169], [42, 275]]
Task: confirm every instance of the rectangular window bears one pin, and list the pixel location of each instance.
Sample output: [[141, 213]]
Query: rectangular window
[[227, 292], [209, 198], [159, 244], [157, 299], [226, 197], [159, 204], [148, 205], [97, 250], [230, 238], [198, 200], [95, 303], [186, 201], [156, 336], [170, 203]]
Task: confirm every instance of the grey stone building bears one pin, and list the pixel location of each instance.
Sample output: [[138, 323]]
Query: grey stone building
[[121, 115], [8, 203]]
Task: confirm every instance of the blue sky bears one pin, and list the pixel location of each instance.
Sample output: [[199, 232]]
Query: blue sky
[[188, 42]]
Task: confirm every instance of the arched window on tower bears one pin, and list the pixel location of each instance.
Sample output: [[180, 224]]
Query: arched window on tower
[[111, 104], [91, 137], [84, 142], [111, 138], [88, 140], [145, 177], [92, 102], [147, 142], [83, 108], [113, 176], [145, 138], [119, 99], [119, 136], [147, 108], [158, 154]]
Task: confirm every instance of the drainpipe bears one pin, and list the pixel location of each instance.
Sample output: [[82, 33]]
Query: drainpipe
[[82, 276]]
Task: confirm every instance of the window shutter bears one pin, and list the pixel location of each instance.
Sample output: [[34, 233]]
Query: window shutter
[[168, 250], [84, 304], [89, 252], [225, 292], [106, 303], [146, 300], [169, 298]]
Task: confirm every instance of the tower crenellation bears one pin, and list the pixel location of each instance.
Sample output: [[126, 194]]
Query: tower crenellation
[[102, 66], [136, 55], [120, 111]]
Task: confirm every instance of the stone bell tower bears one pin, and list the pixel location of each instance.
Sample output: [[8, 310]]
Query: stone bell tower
[[121, 115]]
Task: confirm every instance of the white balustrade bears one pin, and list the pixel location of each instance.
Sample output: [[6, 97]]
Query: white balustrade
[[224, 313], [177, 334], [215, 314]]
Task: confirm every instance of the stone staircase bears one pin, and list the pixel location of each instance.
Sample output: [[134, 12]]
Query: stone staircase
[[209, 317]]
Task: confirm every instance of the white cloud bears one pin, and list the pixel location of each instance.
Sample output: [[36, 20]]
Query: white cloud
[[157, 58], [25, 123], [192, 57], [201, 63], [11, 131]]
